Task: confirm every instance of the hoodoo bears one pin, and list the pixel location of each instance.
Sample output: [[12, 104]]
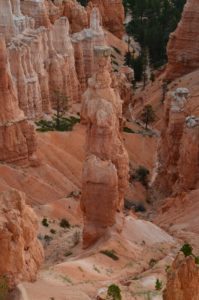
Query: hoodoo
[[105, 170]]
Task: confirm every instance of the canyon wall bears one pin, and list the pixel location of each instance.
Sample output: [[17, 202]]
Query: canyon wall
[[182, 279], [105, 170], [183, 44], [21, 254]]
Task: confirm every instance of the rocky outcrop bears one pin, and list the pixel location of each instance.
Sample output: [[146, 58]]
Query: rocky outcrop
[[178, 160], [21, 254], [182, 281], [105, 171], [17, 136], [183, 44], [112, 13]]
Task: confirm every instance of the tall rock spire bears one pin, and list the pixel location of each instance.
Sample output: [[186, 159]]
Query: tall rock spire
[[105, 171]]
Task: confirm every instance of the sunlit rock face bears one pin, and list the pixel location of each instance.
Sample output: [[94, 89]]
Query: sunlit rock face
[[17, 136], [112, 12], [105, 171], [183, 43], [21, 253], [182, 279]]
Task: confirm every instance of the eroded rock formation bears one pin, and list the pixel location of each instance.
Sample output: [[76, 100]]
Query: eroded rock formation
[[179, 147], [17, 136], [183, 44], [182, 281], [105, 171], [21, 254], [112, 12]]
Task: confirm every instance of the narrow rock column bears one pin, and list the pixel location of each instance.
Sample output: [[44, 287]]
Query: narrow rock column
[[105, 170]]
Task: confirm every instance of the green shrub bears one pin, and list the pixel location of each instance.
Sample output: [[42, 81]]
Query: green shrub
[[64, 223], [158, 285], [110, 253], [186, 249], [45, 222], [128, 130], [114, 292], [48, 238]]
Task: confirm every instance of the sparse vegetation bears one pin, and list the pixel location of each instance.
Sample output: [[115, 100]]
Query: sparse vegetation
[[48, 238], [114, 292], [110, 253], [148, 115], [65, 124], [158, 284], [152, 262], [128, 130], [53, 231], [141, 174], [68, 253], [45, 222], [3, 287], [64, 223]]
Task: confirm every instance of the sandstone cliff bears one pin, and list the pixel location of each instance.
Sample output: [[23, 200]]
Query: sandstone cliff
[[21, 254], [105, 171], [184, 43], [183, 280]]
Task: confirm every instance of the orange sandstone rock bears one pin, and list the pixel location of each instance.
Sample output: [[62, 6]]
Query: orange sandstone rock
[[183, 44], [18, 142], [21, 253], [183, 278], [105, 171]]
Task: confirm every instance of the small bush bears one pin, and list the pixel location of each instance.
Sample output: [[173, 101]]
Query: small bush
[[110, 253], [65, 124], [158, 285], [64, 223], [45, 222], [186, 249], [114, 292], [141, 174], [128, 130], [53, 231]]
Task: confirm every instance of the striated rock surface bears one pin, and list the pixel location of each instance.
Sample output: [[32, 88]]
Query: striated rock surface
[[182, 281], [105, 171], [17, 136], [112, 12], [21, 254], [184, 43]]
